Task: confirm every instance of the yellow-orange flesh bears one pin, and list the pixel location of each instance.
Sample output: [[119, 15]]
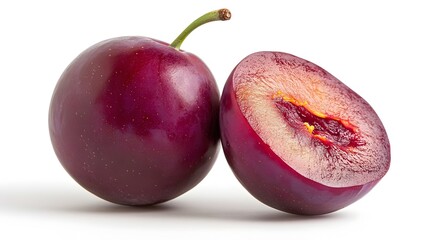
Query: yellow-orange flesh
[[316, 124]]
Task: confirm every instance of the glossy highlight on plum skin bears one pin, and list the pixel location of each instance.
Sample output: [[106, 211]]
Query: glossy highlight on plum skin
[[134, 121], [271, 178]]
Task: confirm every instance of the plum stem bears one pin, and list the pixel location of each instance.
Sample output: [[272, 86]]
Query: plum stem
[[217, 15]]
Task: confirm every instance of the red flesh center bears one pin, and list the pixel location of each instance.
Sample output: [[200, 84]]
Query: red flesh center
[[326, 130]]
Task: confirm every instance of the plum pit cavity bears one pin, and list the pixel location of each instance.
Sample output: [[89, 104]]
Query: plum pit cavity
[[327, 130]]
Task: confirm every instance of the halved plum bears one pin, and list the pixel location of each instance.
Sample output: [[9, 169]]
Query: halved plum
[[297, 138]]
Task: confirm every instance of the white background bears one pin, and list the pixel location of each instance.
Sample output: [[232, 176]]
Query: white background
[[378, 48]]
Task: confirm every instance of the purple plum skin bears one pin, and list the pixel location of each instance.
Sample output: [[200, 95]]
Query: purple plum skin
[[266, 176], [135, 121]]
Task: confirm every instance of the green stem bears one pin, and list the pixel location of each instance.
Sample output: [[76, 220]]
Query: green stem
[[218, 15]]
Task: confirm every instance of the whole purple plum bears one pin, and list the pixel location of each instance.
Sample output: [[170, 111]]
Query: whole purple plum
[[297, 138], [135, 120]]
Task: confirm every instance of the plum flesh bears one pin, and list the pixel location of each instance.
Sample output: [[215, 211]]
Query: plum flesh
[[297, 138], [135, 121]]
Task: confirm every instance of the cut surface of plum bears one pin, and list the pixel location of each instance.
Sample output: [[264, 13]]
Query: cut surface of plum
[[312, 121]]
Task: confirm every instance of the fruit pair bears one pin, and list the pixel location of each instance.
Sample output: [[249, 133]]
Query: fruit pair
[[136, 122]]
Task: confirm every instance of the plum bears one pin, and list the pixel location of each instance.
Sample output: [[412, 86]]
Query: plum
[[297, 138], [135, 121]]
